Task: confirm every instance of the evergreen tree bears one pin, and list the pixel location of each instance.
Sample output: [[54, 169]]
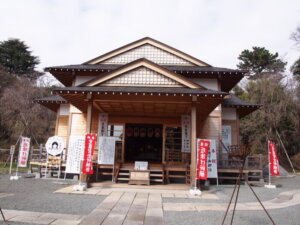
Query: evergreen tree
[[260, 61], [17, 59]]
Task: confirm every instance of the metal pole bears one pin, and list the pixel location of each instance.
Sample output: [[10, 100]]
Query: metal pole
[[260, 203], [285, 151], [12, 151], [2, 215]]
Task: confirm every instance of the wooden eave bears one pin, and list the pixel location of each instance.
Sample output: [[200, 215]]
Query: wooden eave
[[51, 104], [227, 77], [180, 102], [143, 41], [141, 63]]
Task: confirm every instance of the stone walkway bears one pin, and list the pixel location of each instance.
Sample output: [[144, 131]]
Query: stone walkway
[[140, 207]]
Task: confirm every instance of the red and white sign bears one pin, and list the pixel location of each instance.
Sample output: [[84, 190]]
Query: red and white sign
[[23, 152], [87, 166], [202, 154], [274, 164]]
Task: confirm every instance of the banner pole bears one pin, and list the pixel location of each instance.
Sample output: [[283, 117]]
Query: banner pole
[[269, 162], [12, 151]]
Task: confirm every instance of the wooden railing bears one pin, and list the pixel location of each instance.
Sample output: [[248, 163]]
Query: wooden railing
[[252, 162]]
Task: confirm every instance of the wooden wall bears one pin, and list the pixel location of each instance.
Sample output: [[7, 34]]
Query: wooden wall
[[62, 127], [78, 124]]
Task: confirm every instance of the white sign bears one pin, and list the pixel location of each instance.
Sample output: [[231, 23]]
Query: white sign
[[23, 152], [75, 154], [141, 165], [106, 150], [186, 133], [103, 120], [55, 145], [226, 137], [212, 163]]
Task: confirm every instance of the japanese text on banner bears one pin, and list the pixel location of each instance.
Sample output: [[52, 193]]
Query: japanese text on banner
[[202, 153], [23, 152], [274, 164], [87, 166]]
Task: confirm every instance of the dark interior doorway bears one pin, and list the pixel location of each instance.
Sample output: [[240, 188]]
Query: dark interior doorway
[[143, 142]]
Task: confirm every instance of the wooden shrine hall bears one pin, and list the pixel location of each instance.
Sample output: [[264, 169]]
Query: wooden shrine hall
[[146, 89]]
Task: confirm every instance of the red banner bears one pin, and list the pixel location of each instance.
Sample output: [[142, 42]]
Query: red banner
[[87, 165], [24, 152], [202, 154], [274, 164]]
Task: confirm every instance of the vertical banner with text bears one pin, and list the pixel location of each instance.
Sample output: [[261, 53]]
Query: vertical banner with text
[[75, 154], [186, 133], [103, 122], [23, 151], [202, 154], [87, 166], [274, 164]]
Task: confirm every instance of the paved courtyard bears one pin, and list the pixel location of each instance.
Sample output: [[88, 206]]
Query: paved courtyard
[[40, 201]]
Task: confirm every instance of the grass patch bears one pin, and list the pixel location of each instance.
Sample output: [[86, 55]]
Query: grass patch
[[5, 170]]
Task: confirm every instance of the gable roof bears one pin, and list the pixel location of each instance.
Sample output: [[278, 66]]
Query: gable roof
[[149, 41], [141, 63]]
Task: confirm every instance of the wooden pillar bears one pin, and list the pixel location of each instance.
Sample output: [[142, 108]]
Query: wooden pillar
[[83, 178], [193, 143]]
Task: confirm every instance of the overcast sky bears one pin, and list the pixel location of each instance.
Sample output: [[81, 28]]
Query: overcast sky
[[62, 32]]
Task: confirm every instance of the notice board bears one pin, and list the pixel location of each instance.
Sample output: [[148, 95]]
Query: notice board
[[106, 150]]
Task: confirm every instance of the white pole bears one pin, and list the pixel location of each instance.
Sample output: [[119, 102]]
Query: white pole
[[269, 162], [12, 150]]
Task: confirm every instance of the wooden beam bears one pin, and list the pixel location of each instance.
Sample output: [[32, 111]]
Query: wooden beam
[[193, 143]]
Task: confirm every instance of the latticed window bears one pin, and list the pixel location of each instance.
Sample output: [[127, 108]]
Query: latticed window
[[116, 131], [173, 144]]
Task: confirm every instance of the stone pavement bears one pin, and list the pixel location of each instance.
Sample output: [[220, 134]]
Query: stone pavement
[[140, 207]]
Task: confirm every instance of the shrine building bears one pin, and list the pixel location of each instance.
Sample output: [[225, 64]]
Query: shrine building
[[157, 101]]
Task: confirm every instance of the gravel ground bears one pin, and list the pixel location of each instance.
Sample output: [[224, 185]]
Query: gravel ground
[[37, 195], [224, 191], [284, 216]]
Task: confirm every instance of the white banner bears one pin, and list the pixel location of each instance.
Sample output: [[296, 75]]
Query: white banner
[[226, 137], [106, 150], [23, 151], [212, 163], [102, 124], [186, 133], [75, 154], [55, 145]]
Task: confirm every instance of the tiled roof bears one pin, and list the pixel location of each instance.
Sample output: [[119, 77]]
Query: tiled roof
[[236, 101], [166, 90], [88, 67]]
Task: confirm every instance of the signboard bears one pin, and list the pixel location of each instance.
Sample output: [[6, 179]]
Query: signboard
[[202, 154], [212, 163], [274, 164], [75, 154], [186, 133], [55, 145], [23, 152], [87, 165], [226, 137], [141, 165], [103, 121], [106, 150]]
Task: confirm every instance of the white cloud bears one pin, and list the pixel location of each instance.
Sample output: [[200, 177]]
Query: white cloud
[[74, 31]]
